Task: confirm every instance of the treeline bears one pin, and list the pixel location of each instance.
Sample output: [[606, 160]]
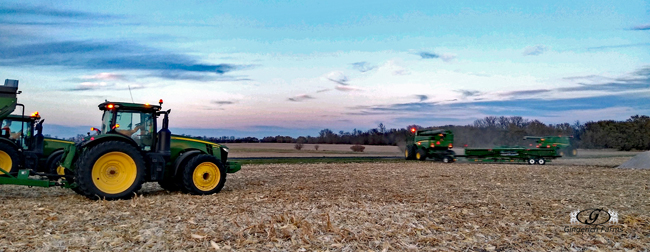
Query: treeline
[[633, 133]]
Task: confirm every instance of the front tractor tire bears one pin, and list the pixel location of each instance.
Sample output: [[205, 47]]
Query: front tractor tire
[[111, 170], [204, 175], [9, 158], [421, 155], [409, 152]]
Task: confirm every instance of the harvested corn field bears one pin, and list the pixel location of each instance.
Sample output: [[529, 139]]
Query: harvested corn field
[[396, 206]]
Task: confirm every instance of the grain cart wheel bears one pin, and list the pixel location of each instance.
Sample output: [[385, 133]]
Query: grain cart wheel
[[110, 170], [421, 155], [541, 161], [532, 161], [561, 152], [409, 152], [9, 158], [447, 159], [203, 175]]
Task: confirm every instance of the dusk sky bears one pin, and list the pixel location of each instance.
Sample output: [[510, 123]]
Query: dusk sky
[[258, 68]]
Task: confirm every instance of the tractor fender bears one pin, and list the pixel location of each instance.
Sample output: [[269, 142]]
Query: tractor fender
[[53, 154], [7, 141], [108, 137], [184, 156]]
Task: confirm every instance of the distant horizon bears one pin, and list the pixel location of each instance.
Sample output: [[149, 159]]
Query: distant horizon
[[62, 131]]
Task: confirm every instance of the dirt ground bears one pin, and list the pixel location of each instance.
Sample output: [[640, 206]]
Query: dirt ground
[[382, 206], [324, 150]]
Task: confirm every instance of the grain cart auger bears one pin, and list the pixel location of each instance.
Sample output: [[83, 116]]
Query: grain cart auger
[[23, 149], [127, 152], [430, 143], [561, 144]]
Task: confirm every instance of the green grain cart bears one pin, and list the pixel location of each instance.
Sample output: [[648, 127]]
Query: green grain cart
[[561, 144], [22, 145], [430, 143], [129, 150]]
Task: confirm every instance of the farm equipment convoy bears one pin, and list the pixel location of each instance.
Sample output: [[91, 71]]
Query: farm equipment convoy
[[437, 144], [562, 144], [22, 145], [127, 151]]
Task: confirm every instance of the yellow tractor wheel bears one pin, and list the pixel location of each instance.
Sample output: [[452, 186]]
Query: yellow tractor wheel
[[110, 170], [203, 175]]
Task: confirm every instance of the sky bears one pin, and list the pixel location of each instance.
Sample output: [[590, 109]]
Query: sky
[[260, 68]]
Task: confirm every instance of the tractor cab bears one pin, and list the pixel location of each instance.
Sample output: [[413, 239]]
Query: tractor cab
[[20, 130], [136, 121]]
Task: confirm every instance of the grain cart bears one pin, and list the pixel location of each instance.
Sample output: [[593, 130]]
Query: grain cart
[[510, 154], [430, 143], [561, 144], [22, 145], [128, 152]]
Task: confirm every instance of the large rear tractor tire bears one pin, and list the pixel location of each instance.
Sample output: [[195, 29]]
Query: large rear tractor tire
[[111, 170], [421, 155], [9, 158], [204, 175], [409, 153]]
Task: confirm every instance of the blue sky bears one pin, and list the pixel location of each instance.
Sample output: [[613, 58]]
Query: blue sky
[[294, 67]]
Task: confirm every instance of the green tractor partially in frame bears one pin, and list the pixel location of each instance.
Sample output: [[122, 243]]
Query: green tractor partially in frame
[[22, 144], [129, 150]]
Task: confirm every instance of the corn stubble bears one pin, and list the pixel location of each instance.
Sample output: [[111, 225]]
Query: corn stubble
[[409, 206]]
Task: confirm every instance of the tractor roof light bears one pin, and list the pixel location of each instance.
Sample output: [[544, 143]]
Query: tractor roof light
[[160, 102], [413, 130], [110, 106]]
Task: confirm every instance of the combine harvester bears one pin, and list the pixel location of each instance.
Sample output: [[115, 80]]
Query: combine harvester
[[128, 151], [22, 145], [437, 144]]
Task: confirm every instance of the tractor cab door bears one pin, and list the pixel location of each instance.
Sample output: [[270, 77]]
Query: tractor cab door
[[138, 125]]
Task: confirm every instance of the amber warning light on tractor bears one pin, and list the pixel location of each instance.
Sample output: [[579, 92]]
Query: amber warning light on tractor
[[109, 106], [160, 102], [412, 130], [35, 113]]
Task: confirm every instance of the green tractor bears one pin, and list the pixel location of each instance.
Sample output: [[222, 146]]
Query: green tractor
[[430, 143], [562, 144], [129, 150], [22, 145]]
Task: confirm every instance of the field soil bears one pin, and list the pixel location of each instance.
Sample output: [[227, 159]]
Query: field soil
[[240, 150], [381, 206]]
